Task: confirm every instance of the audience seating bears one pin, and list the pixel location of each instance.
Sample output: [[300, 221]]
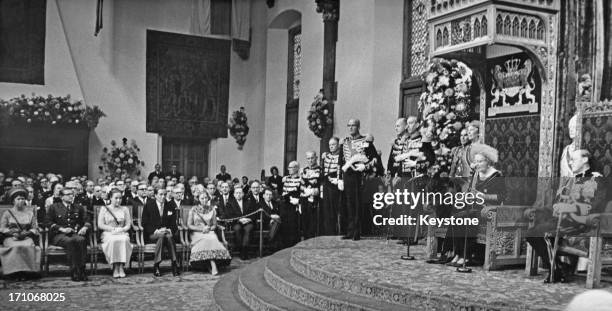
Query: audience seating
[[4, 208], [149, 248], [97, 249]]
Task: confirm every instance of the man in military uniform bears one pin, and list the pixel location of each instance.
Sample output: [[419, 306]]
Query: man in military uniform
[[357, 158], [461, 162], [330, 201], [290, 205], [577, 200], [68, 224], [411, 165], [311, 187]]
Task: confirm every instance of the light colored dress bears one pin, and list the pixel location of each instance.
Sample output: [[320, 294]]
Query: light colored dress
[[205, 246], [116, 246], [19, 255]]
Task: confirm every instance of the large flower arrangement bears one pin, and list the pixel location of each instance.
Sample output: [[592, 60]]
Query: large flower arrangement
[[51, 110], [320, 115], [238, 127], [445, 106], [121, 159]]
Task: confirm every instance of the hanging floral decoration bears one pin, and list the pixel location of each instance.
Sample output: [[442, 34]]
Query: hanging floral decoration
[[120, 159], [445, 107], [320, 115], [238, 127], [50, 110]]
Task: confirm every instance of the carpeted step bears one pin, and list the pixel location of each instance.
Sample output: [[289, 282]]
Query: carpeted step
[[258, 295], [225, 294], [280, 275]]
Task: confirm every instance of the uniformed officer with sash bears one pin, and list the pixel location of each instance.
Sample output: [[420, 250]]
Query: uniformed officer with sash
[[311, 187], [331, 200], [290, 205], [358, 157], [411, 165]]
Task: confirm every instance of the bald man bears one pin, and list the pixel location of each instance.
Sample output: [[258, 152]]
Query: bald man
[[330, 201], [311, 186], [358, 158]]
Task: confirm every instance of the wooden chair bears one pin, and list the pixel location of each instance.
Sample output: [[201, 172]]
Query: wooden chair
[[186, 237], [97, 249], [501, 229], [4, 208], [50, 250], [149, 248]]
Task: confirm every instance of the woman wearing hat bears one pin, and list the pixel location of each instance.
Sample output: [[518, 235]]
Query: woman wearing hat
[[19, 254], [486, 183]]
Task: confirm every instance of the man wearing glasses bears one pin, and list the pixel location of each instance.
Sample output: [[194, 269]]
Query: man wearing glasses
[[68, 225]]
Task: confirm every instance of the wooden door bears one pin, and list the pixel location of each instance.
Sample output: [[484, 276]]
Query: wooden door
[[190, 156]]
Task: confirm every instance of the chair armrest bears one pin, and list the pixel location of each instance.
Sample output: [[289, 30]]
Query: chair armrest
[[44, 238], [138, 234]]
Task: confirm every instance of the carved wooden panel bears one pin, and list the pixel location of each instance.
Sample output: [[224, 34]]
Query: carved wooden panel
[[22, 41], [187, 85]]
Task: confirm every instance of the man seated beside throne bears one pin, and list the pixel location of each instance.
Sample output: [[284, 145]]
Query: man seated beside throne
[[578, 200]]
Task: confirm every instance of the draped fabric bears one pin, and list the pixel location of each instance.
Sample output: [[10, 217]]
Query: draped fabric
[[200, 17], [241, 19], [606, 87]]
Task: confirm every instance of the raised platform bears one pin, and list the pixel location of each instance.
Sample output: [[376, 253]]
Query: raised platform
[[327, 273]]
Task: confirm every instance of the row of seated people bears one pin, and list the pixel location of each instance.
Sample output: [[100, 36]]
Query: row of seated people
[[69, 224]]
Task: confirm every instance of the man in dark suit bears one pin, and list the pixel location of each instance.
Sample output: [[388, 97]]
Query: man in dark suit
[[271, 208], [239, 208], [223, 200], [68, 224], [178, 198], [157, 173], [255, 196], [130, 193], [159, 226], [224, 176], [88, 199], [140, 199]]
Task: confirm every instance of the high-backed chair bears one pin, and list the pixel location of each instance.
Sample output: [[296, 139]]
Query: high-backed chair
[[4, 208], [186, 237], [501, 229], [50, 250], [149, 248], [97, 249]]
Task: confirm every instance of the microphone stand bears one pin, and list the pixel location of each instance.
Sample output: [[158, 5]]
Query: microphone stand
[[464, 268]]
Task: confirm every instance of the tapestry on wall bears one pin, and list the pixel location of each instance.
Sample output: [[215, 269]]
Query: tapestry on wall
[[513, 86], [22, 41], [517, 140], [597, 139], [187, 85]]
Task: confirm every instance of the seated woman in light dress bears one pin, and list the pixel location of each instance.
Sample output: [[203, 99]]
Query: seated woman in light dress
[[19, 228], [205, 245], [114, 220]]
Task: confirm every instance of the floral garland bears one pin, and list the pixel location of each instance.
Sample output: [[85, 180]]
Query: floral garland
[[319, 115], [445, 106], [51, 110], [238, 127], [121, 159]]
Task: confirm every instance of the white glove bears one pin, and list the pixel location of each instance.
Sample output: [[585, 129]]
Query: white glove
[[294, 201], [341, 185], [359, 167]]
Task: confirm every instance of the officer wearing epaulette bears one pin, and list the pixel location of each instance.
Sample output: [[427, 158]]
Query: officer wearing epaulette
[[330, 201], [577, 201], [461, 162], [290, 203], [411, 165], [68, 225], [310, 193], [358, 157]]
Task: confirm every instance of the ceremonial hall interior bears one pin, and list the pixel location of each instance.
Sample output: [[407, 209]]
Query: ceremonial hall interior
[[228, 154]]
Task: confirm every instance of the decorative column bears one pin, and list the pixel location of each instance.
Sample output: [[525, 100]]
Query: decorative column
[[330, 9]]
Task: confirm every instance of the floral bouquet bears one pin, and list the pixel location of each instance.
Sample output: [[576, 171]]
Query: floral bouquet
[[51, 110], [445, 106], [319, 115], [121, 159], [238, 127]]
